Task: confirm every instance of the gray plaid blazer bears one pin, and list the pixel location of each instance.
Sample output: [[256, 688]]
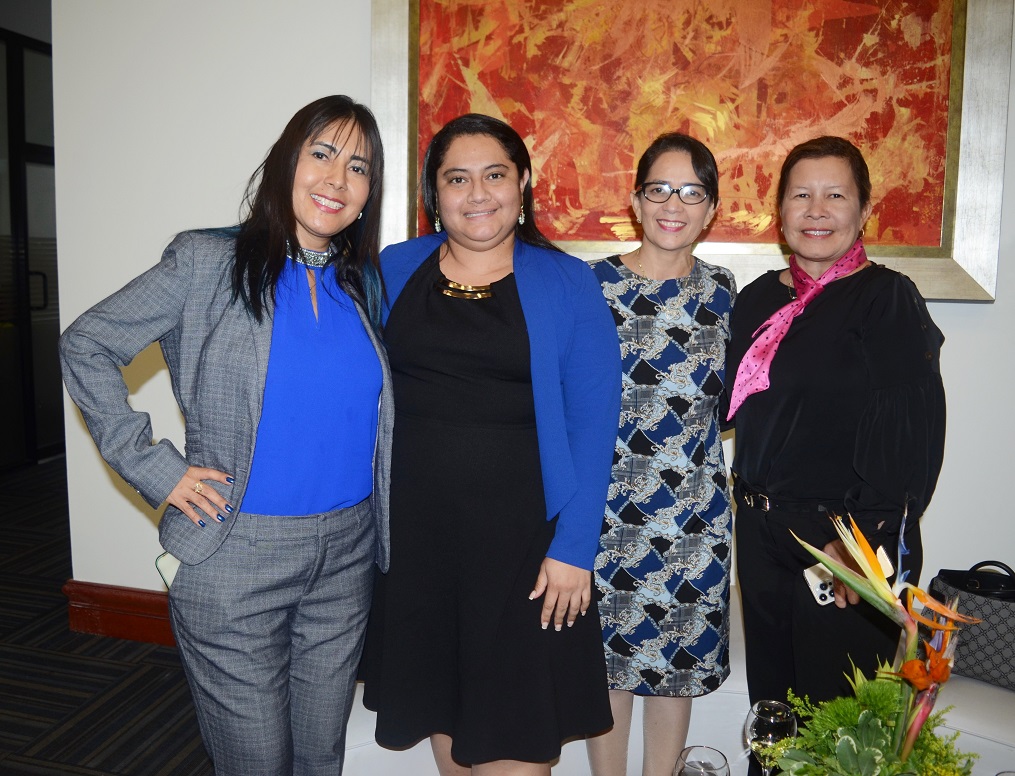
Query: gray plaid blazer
[[217, 354]]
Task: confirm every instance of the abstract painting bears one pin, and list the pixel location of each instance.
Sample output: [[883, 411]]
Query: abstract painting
[[589, 85]]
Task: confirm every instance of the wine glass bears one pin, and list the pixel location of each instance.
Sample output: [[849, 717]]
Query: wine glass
[[701, 761], [768, 723]]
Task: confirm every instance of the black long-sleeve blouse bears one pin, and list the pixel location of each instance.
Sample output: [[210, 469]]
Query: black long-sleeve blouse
[[856, 410]]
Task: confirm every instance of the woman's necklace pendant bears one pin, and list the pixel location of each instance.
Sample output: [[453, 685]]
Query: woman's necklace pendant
[[460, 290]]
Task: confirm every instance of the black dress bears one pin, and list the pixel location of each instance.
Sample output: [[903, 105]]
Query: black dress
[[454, 644]]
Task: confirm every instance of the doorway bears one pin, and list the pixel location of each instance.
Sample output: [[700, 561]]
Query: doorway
[[31, 418]]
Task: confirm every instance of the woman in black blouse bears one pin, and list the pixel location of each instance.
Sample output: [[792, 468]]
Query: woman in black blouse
[[839, 408]]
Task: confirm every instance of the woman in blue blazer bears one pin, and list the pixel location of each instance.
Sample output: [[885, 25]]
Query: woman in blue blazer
[[277, 507], [506, 371]]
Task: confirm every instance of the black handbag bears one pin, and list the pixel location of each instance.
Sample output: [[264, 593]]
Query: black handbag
[[985, 650]]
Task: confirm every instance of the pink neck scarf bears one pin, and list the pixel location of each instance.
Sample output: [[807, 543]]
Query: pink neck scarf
[[752, 374]]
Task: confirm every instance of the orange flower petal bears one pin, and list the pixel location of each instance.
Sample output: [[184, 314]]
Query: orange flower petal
[[940, 667], [915, 672], [935, 606], [934, 624], [868, 552]]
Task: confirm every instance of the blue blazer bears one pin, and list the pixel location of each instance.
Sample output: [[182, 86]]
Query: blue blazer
[[575, 357]]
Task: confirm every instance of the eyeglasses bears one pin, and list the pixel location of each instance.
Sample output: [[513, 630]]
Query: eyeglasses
[[659, 192]]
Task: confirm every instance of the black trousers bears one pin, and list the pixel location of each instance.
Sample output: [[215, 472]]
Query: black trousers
[[791, 641]]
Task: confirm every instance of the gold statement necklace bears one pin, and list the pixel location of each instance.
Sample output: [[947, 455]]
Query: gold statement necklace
[[460, 290]]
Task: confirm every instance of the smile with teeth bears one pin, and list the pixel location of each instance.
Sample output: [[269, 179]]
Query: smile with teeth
[[665, 224], [331, 204], [479, 214], [818, 232]]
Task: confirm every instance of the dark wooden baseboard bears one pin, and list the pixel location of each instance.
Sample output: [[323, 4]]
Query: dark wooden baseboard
[[121, 612]]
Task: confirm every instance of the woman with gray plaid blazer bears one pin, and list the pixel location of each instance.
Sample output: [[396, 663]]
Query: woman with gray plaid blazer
[[277, 508]]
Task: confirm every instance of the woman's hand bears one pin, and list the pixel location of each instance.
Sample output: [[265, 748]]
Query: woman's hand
[[191, 492], [568, 592], [843, 595]]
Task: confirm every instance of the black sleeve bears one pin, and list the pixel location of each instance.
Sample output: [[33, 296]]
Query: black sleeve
[[900, 439]]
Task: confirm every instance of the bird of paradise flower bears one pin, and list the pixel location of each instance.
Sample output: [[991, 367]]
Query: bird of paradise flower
[[921, 677]]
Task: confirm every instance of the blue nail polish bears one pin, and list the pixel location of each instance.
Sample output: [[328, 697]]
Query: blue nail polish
[[230, 480], [201, 523], [229, 509], [220, 518]]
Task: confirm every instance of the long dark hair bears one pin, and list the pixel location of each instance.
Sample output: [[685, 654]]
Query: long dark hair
[[702, 161], [268, 233], [514, 147], [820, 148]]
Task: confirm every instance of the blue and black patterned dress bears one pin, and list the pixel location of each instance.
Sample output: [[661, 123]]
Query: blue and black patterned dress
[[663, 568]]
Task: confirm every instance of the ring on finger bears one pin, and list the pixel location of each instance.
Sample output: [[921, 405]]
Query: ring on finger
[[198, 488]]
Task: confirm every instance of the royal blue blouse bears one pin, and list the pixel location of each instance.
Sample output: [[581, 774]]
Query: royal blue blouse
[[315, 440]]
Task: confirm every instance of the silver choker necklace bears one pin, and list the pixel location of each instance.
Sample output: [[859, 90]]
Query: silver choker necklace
[[311, 258]]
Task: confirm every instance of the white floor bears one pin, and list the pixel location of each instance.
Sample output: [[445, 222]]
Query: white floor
[[984, 715]]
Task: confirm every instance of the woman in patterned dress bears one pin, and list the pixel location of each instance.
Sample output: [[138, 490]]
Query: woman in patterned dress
[[662, 571]]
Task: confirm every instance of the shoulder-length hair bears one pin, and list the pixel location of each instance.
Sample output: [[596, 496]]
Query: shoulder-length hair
[[514, 147], [267, 235], [702, 161]]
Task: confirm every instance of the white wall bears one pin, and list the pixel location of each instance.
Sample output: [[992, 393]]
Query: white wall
[[970, 519], [164, 108]]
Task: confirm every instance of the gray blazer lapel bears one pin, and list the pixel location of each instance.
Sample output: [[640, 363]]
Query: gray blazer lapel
[[261, 332], [382, 447]]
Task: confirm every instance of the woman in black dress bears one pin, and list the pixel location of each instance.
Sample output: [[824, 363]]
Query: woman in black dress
[[506, 372], [839, 407]]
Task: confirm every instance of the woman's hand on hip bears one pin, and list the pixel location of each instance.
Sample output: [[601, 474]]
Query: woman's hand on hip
[[192, 494], [567, 589], [843, 595]]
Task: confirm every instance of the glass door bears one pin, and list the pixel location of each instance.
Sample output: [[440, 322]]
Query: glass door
[[31, 412], [13, 445]]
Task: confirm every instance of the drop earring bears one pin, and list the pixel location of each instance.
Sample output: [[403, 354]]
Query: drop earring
[[359, 216], [437, 223], [521, 216]]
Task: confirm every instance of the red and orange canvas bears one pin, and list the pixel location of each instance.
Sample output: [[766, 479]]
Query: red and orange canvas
[[589, 84]]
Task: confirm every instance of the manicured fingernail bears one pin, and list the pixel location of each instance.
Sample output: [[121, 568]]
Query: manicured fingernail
[[220, 518], [531, 596], [201, 523], [556, 628], [570, 623], [585, 612], [545, 624], [229, 509], [230, 480]]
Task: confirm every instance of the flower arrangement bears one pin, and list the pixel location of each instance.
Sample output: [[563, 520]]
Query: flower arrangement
[[887, 728]]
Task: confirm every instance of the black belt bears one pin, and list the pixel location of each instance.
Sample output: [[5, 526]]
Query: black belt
[[755, 499]]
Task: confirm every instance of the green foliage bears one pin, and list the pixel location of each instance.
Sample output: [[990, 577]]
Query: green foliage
[[936, 755], [881, 696], [853, 737]]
